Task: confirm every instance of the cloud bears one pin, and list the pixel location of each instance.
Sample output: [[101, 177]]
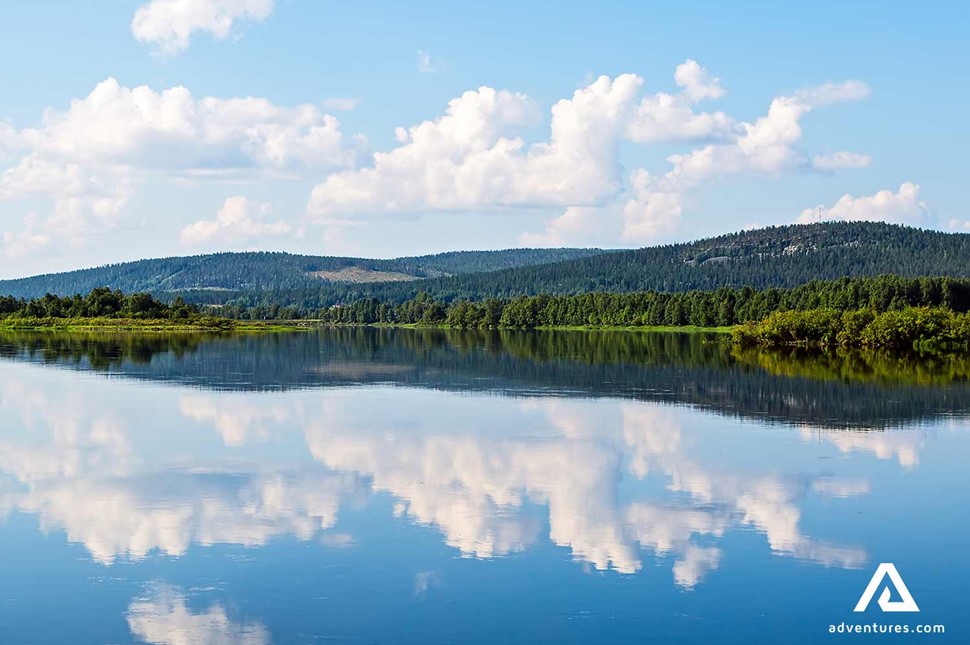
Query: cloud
[[174, 131], [128, 518], [474, 158], [697, 82], [426, 65], [432, 488], [695, 564], [469, 158], [670, 117], [341, 103], [84, 201], [902, 207], [765, 146], [25, 241], [589, 225], [169, 24], [90, 475], [9, 140], [840, 487], [839, 160], [649, 214], [474, 487], [82, 437], [89, 158], [644, 215], [904, 447], [338, 540], [652, 205], [768, 502], [239, 220], [81, 473], [424, 581], [236, 419], [164, 618], [829, 93]]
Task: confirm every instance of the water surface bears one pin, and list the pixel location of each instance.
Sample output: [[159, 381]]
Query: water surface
[[416, 486]]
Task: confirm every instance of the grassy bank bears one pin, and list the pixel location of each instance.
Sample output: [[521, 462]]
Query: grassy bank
[[200, 324], [216, 324], [686, 329]]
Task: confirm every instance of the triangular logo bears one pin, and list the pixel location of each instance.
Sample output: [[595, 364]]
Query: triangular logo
[[887, 569]]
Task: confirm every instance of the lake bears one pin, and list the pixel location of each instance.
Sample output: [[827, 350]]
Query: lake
[[428, 486]]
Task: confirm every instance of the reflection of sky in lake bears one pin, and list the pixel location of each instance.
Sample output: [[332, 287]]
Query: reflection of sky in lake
[[238, 517]]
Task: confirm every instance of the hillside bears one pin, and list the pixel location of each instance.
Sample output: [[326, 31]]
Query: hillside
[[235, 272], [784, 256]]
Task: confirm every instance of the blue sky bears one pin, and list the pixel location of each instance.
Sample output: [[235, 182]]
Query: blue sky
[[672, 121]]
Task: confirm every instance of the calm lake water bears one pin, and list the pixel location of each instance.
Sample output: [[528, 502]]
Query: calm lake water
[[415, 486]]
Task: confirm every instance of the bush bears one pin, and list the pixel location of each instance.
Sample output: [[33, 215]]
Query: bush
[[907, 328]]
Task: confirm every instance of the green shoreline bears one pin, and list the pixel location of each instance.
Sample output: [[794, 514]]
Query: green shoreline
[[230, 325], [211, 325], [685, 329]]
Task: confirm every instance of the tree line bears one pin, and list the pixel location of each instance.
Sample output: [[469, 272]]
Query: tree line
[[99, 303], [722, 307], [887, 311]]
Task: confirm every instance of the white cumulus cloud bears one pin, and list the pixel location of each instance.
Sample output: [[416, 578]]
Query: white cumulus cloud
[[173, 130], [84, 200], [640, 216], [901, 207], [671, 117], [471, 158], [481, 155], [239, 220], [765, 147], [474, 157], [649, 214], [89, 158], [169, 24]]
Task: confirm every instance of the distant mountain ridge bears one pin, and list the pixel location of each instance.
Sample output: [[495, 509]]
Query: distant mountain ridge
[[257, 271], [781, 256]]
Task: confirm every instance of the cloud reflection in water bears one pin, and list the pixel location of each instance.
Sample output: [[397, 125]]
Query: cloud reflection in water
[[616, 479]]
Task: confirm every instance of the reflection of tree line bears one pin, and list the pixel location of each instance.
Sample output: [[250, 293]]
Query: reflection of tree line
[[838, 388], [100, 351], [853, 365]]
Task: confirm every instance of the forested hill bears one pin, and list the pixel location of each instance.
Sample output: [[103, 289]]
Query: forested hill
[[783, 256], [236, 272]]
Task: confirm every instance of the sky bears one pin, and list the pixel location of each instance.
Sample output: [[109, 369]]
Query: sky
[[136, 128]]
